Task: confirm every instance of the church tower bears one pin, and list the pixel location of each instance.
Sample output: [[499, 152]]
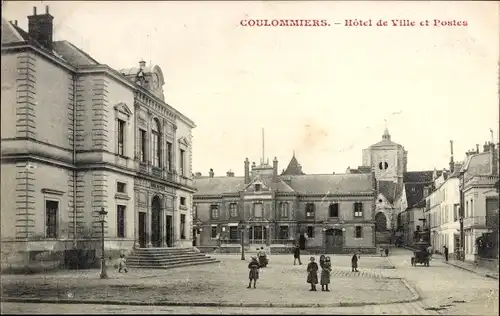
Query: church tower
[[387, 159]]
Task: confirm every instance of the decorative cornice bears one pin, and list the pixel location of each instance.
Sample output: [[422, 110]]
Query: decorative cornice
[[52, 191]]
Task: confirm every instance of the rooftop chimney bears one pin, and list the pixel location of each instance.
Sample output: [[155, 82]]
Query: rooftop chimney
[[275, 169], [452, 163], [486, 147], [142, 64], [477, 149], [494, 159], [230, 173], [211, 173], [40, 28], [247, 171]]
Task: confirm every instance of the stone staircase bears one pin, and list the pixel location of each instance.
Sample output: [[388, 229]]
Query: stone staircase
[[167, 258]]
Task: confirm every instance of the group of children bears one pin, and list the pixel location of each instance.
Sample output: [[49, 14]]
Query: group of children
[[312, 271]]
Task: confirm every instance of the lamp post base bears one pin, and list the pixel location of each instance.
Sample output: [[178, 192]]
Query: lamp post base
[[104, 272]]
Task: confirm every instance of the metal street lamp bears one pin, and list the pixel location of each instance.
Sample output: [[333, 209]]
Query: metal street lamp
[[102, 217]]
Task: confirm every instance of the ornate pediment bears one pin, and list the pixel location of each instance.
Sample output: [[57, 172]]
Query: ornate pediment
[[184, 141], [123, 108], [256, 185]]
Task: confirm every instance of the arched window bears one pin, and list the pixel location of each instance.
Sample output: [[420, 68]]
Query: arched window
[[156, 143]]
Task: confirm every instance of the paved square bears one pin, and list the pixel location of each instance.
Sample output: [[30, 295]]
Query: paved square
[[281, 284]]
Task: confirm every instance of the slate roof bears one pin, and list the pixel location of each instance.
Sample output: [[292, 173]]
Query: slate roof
[[301, 184], [419, 176], [478, 164], [64, 50], [389, 189], [414, 193], [294, 168]]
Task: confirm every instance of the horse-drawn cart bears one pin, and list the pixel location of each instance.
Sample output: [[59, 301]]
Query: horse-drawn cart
[[421, 255]]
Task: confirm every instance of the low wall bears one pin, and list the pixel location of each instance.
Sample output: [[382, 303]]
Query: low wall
[[28, 257]]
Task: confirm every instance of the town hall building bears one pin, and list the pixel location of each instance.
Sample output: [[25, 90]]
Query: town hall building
[[78, 137]]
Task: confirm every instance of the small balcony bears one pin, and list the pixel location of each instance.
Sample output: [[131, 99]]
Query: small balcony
[[475, 222]]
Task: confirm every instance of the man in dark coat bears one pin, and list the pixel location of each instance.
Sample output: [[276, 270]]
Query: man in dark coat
[[446, 253], [296, 255], [354, 263]]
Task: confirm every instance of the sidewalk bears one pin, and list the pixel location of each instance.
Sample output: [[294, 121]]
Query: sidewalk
[[469, 266]]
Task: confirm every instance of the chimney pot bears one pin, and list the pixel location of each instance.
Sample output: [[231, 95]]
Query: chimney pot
[[142, 64], [34, 10], [47, 9], [15, 22]]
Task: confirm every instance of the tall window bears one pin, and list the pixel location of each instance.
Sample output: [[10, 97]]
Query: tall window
[[120, 221], [169, 156], [142, 145], [284, 210], [213, 233], [183, 226], [310, 210], [214, 211], [183, 201], [310, 232], [358, 232], [195, 211], [51, 210], [334, 210], [182, 162], [358, 209], [233, 210], [121, 137], [156, 144], [257, 210]]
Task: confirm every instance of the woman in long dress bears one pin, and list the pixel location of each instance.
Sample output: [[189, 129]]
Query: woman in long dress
[[325, 274], [312, 274]]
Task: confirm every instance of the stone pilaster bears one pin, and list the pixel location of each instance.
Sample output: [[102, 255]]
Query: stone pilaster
[[99, 200], [100, 114], [25, 201], [26, 96], [149, 222]]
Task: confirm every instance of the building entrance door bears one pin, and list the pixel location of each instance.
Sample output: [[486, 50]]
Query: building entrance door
[[170, 231], [142, 229], [333, 241], [156, 222]]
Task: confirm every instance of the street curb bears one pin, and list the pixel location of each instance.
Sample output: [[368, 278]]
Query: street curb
[[415, 297], [487, 275]]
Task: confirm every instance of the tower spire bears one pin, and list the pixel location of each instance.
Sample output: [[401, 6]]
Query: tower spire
[[386, 134]]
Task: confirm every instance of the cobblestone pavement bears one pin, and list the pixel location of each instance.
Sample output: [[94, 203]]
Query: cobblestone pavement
[[448, 289], [281, 284], [444, 290], [392, 309]]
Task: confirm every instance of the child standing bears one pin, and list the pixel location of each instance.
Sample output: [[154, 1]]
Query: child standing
[[312, 274], [325, 274], [354, 262], [253, 275], [122, 264]]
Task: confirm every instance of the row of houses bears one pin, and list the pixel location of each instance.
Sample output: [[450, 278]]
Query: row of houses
[[433, 208]]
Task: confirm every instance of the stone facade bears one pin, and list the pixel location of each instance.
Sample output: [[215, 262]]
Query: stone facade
[[327, 213], [72, 144]]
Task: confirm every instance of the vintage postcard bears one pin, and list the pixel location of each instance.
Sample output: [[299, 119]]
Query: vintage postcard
[[250, 157]]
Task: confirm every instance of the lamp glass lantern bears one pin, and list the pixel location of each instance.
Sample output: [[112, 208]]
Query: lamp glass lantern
[[102, 214]]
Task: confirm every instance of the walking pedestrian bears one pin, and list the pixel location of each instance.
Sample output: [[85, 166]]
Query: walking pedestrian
[[322, 259], [354, 262], [446, 253], [253, 275], [122, 265], [325, 274], [387, 252], [296, 255], [312, 274]]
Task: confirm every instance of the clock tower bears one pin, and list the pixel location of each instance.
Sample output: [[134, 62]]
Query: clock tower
[[148, 77]]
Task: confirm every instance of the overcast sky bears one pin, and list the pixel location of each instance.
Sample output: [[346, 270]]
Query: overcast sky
[[323, 92]]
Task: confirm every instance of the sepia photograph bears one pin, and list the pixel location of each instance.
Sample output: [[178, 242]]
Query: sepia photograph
[[250, 157]]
